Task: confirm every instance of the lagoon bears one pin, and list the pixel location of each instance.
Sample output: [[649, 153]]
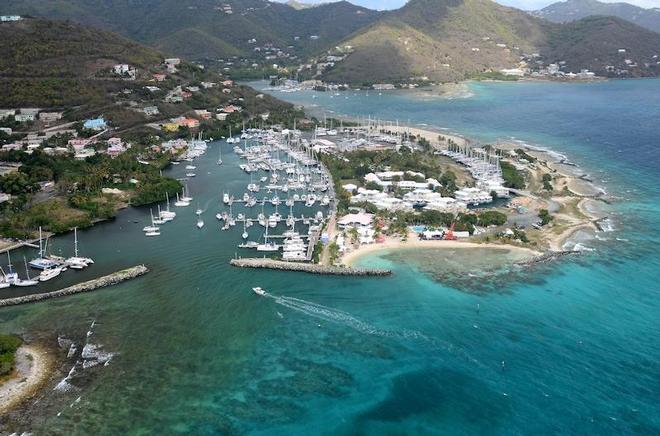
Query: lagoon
[[569, 347]]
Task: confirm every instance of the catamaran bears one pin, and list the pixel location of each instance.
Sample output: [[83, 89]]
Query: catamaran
[[42, 262], [77, 262]]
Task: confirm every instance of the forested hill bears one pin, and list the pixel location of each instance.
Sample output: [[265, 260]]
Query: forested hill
[[450, 40], [210, 28], [571, 10]]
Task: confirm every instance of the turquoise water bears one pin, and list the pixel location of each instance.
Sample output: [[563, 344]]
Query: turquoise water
[[570, 347]]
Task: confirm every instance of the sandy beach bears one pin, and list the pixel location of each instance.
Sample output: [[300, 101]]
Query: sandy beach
[[33, 368], [413, 242]]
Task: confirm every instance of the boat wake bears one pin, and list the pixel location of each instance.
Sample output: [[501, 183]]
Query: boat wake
[[340, 317]]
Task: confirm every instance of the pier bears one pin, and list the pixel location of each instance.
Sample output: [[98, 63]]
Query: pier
[[267, 263], [90, 285]]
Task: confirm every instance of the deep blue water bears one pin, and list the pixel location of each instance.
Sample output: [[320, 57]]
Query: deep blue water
[[570, 347]]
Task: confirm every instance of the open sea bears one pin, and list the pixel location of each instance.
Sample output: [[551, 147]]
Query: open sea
[[569, 347]]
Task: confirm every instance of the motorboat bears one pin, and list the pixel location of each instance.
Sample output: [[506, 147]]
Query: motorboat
[[257, 290], [200, 223], [50, 273]]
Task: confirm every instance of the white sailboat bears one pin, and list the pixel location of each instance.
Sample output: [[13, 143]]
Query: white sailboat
[[153, 229], [28, 281], [219, 154], [11, 277], [3, 280], [77, 262], [167, 215], [42, 262], [180, 202], [200, 223]]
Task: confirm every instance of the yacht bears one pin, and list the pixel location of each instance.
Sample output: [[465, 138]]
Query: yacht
[[191, 167], [249, 244], [191, 174], [200, 223], [50, 273], [77, 262]]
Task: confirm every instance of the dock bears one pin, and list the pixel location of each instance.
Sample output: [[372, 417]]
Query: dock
[[90, 285], [310, 268]]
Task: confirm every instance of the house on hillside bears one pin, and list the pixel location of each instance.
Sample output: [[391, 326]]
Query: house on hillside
[[159, 77], [50, 117]]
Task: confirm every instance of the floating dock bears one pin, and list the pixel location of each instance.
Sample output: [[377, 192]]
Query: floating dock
[[90, 285], [267, 263]]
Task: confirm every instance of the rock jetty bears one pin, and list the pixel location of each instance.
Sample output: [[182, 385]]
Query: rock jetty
[[307, 267], [91, 285]]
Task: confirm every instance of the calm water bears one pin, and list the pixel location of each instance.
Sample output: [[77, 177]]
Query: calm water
[[566, 348]]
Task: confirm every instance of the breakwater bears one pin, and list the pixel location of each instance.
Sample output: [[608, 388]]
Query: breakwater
[[307, 267], [90, 285]]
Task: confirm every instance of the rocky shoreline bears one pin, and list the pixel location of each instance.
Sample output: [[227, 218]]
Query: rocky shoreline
[[90, 285], [308, 268]]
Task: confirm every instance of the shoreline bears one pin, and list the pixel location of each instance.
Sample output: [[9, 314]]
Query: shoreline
[[412, 242], [33, 368]]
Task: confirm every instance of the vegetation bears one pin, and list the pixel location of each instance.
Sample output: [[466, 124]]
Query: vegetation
[[201, 32], [8, 346], [545, 217], [492, 218], [512, 177], [76, 199], [547, 182]]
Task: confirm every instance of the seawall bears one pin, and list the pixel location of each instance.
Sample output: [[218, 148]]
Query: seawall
[[307, 267], [90, 285]]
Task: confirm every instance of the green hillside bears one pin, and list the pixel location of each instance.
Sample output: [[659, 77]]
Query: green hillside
[[449, 40], [205, 28], [571, 10]]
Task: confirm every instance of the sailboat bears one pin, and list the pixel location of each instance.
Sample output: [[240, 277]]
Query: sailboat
[[245, 233], [3, 280], [41, 262], [180, 202], [11, 277], [184, 195], [77, 262], [219, 154], [200, 223], [28, 281], [167, 215], [153, 229]]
